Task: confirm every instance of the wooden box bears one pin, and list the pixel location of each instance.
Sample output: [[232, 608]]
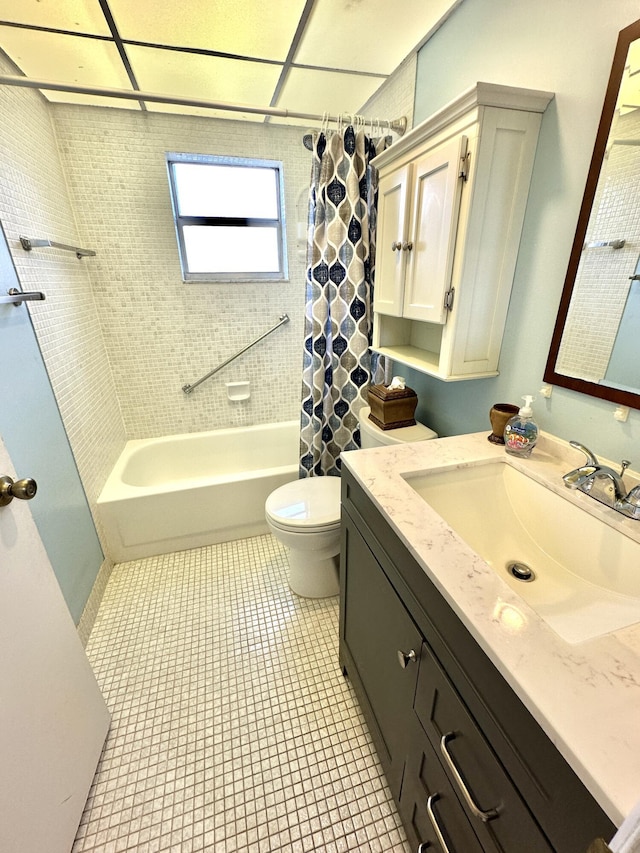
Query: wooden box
[[391, 409]]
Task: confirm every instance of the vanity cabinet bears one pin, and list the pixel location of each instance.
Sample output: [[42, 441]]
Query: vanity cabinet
[[468, 766], [451, 203]]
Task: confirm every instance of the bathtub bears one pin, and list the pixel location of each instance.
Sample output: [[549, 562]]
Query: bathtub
[[186, 491]]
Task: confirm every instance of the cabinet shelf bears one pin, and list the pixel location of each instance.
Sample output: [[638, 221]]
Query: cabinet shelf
[[426, 362]]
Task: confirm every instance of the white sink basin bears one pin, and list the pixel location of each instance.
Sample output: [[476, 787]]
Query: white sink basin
[[586, 574]]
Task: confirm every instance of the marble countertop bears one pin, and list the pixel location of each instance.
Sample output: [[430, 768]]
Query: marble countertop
[[585, 696]]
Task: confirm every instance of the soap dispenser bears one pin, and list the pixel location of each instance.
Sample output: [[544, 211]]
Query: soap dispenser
[[521, 431]]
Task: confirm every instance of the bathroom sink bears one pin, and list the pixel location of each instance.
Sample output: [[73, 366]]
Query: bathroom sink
[[580, 575]]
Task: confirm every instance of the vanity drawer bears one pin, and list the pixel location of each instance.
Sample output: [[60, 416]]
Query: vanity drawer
[[493, 805], [428, 805]]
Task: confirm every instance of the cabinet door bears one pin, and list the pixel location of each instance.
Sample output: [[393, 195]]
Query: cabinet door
[[376, 627], [498, 815], [436, 190], [392, 232]]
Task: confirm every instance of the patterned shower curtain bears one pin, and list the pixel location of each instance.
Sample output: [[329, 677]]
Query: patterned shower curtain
[[337, 365]]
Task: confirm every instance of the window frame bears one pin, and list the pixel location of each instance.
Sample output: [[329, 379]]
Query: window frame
[[282, 274]]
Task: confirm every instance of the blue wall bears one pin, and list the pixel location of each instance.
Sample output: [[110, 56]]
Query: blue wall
[[565, 47]]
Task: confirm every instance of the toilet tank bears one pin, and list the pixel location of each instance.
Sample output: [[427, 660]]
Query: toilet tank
[[372, 436]]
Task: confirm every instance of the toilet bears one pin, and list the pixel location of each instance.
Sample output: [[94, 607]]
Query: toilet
[[372, 436], [305, 516]]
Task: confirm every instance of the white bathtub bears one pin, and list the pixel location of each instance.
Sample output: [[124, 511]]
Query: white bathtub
[[185, 491]]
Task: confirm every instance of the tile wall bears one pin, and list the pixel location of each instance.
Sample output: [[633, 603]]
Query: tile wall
[[160, 332], [396, 95]]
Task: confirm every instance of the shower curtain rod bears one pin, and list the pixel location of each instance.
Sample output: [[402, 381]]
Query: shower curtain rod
[[399, 124]]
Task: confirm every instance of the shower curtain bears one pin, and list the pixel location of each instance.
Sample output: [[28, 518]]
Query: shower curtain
[[337, 363]]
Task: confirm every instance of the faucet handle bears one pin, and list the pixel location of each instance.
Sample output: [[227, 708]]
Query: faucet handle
[[591, 457], [625, 464], [633, 497]]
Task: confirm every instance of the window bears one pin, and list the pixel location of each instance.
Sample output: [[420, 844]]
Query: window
[[229, 216]]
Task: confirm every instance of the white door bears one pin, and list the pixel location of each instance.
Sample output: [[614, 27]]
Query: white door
[[53, 719]]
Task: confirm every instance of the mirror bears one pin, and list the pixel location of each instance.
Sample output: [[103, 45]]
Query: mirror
[[595, 341]]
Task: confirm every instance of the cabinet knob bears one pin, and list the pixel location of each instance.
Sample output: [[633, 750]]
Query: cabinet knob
[[396, 246], [407, 246], [405, 658]]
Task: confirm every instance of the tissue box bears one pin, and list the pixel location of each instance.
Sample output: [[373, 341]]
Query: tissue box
[[391, 409]]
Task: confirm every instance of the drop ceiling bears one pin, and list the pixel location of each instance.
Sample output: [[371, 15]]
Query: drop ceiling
[[310, 56]]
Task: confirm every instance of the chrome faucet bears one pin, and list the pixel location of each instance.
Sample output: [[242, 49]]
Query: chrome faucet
[[604, 484]]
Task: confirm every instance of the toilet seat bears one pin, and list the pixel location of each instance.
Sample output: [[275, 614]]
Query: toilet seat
[[309, 505]]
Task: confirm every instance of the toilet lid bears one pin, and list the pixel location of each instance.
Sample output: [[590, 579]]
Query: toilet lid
[[311, 503]]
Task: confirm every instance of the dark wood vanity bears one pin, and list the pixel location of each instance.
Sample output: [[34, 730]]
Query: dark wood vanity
[[469, 767]]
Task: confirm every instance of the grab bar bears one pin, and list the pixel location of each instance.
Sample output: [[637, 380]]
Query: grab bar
[[29, 243], [599, 244], [17, 297], [281, 321]]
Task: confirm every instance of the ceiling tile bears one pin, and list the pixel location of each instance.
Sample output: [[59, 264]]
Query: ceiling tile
[[203, 111], [373, 36], [91, 100], [319, 91], [196, 76], [65, 59], [341, 34], [83, 16], [263, 30]]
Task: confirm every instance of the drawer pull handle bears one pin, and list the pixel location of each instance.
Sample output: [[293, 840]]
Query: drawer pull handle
[[477, 811], [396, 245], [434, 822], [405, 658]]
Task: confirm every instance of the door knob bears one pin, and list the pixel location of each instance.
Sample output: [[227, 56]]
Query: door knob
[[23, 489]]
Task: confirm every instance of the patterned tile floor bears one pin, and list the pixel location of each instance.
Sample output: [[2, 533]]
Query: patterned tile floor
[[233, 728]]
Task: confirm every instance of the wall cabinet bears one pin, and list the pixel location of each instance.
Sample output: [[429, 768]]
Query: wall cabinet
[[451, 203], [468, 766]]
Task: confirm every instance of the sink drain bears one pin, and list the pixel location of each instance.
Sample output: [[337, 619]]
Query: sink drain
[[521, 571]]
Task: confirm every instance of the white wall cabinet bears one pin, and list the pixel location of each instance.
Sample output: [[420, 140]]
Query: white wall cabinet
[[451, 204]]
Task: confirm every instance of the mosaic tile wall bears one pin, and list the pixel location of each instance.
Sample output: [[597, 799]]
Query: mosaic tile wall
[[396, 95], [160, 332], [34, 201]]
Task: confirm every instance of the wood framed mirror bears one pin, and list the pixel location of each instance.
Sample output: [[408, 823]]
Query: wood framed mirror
[[595, 347]]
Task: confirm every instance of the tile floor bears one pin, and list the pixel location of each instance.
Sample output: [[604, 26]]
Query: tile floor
[[233, 728]]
